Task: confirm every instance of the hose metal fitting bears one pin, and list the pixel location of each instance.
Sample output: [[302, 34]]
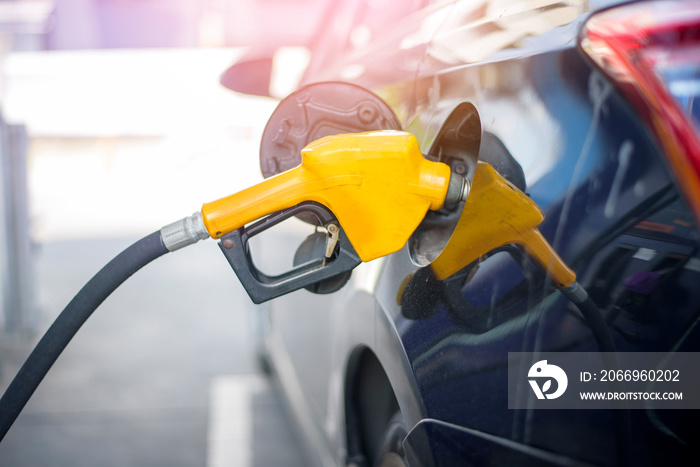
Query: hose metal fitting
[[184, 232], [575, 292]]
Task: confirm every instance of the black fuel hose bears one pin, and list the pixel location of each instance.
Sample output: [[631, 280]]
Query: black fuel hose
[[606, 344], [70, 320], [620, 415], [599, 328]]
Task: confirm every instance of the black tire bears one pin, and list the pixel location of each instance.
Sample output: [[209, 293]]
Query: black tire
[[391, 452]]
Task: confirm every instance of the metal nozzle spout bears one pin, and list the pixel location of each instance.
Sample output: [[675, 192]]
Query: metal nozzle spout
[[457, 190]]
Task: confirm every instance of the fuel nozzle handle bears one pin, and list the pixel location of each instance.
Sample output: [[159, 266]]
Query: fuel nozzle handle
[[377, 184], [496, 213]]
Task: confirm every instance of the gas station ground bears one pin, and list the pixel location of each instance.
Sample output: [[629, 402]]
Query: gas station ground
[[164, 372]]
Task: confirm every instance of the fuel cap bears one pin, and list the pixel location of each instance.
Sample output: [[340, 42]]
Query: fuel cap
[[318, 110]]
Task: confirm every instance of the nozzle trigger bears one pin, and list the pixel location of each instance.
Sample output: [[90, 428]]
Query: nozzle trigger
[[340, 256]]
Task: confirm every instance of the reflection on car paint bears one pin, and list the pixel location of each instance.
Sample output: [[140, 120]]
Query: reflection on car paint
[[572, 142], [615, 176]]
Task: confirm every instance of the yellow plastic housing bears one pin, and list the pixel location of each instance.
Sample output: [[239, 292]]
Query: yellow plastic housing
[[378, 185], [495, 214]]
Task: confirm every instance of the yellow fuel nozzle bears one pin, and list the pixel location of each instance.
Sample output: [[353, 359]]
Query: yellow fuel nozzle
[[377, 184], [495, 214]]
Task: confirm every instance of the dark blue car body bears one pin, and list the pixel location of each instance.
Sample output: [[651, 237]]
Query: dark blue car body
[[350, 360]]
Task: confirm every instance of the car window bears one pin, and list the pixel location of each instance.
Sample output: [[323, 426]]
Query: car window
[[475, 31], [375, 17], [362, 31]]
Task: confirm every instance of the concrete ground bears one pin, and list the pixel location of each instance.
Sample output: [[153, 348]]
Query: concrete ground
[[164, 373]]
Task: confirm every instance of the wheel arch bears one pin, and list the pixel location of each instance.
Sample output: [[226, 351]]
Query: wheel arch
[[370, 402], [378, 378]]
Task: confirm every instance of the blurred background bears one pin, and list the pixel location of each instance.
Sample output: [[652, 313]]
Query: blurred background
[[112, 124]]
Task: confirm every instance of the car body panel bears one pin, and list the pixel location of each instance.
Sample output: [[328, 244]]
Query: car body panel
[[433, 442], [611, 211]]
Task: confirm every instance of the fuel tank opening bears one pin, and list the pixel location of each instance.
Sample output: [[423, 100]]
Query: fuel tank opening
[[457, 145]]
